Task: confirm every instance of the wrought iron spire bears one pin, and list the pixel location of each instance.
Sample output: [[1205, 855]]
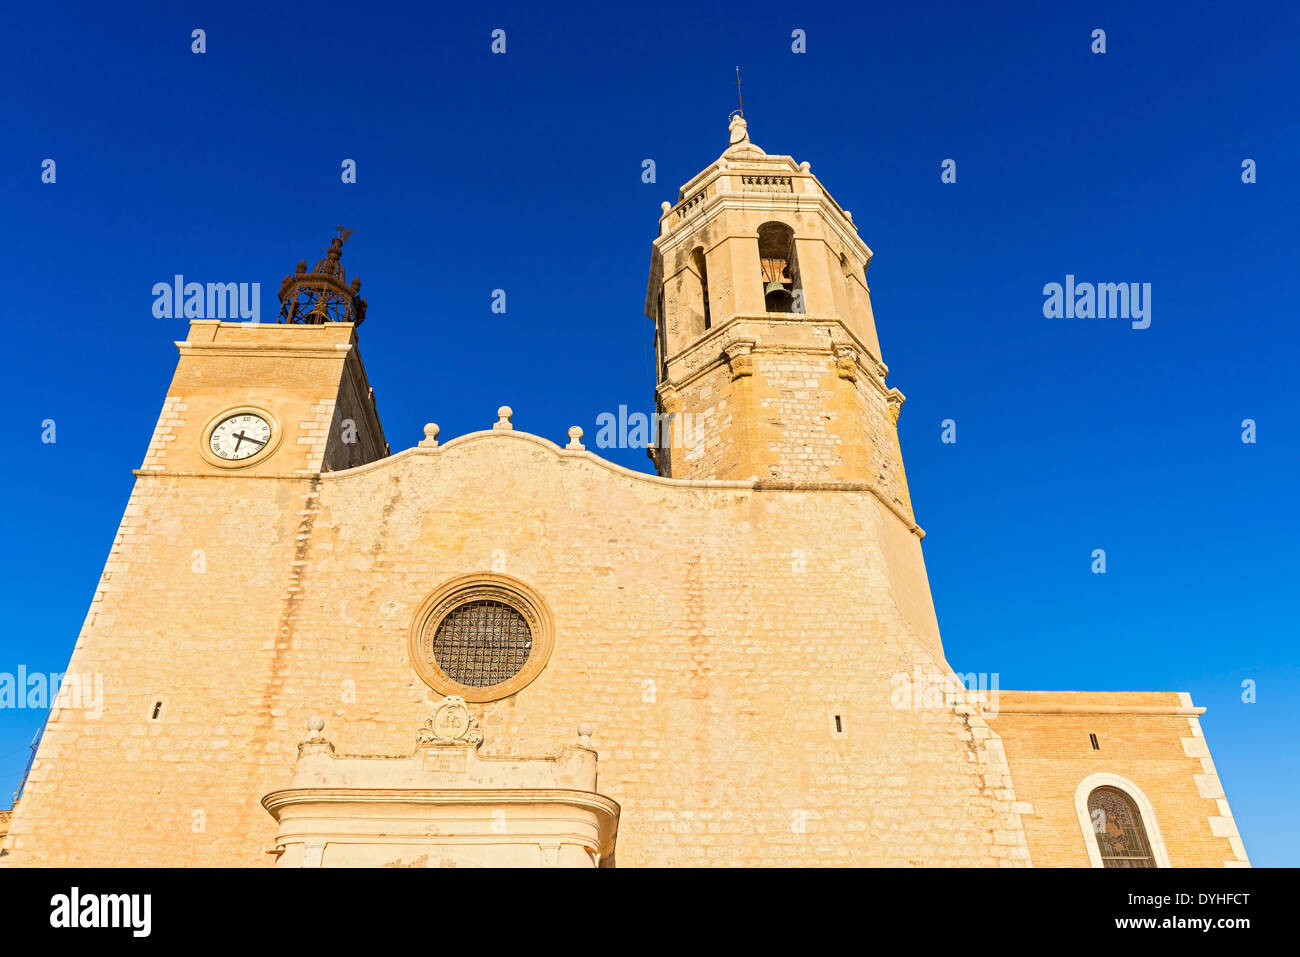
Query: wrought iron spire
[[323, 294]]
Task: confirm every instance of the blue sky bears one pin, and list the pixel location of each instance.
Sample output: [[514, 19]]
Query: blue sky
[[523, 172]]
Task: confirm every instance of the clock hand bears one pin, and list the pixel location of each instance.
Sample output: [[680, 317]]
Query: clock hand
[[242, 437]]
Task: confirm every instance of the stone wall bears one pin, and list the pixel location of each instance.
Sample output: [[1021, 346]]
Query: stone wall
[[710, 633], [1152, 740]]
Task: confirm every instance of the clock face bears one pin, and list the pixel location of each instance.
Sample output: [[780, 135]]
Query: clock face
[[240, 436]]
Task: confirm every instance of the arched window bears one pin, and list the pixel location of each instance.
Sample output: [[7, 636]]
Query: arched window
[[1129, 835], [697, 257], [782, 291], [1117, 825]]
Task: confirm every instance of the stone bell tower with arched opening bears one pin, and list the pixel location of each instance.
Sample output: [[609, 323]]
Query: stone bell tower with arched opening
[[766, 346], [748, 650]]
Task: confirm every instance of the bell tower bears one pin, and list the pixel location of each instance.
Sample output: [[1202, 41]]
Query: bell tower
[[767, 357]]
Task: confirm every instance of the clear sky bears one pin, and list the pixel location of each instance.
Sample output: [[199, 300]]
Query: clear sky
[[523, 172]]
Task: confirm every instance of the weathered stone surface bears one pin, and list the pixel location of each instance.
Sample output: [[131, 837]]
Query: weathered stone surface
[[745, 634]]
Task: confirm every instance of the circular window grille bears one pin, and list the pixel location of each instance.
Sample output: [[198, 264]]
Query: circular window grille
[[482, 643], [482, 636]]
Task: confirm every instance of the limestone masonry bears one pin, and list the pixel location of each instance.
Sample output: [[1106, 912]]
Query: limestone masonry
[[500, 650]]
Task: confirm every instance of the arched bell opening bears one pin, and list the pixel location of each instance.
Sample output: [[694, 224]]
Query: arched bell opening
[[782, 291]]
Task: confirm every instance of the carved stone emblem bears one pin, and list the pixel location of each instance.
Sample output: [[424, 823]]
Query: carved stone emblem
[[451, 723]]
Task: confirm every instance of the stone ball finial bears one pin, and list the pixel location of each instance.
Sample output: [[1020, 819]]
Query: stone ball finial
[[848, 215], [315, 728], [665, 206], [503, 418], [575, 438], [584, 733], [806, 166], [430, 440]]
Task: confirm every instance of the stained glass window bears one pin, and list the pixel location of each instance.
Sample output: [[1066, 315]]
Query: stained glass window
[[1117, 822]]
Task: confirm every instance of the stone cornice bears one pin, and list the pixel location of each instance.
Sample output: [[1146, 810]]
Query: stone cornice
[[719, 337], [717, 201], [294, 350], [1149, 710], [289, 797], [566, 455]]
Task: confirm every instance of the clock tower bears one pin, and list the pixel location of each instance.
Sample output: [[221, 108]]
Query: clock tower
[[288, 398]]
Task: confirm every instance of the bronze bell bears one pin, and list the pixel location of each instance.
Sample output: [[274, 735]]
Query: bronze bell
[[777, 297]]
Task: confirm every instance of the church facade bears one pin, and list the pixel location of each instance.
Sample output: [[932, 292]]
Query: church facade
[[500, 649]]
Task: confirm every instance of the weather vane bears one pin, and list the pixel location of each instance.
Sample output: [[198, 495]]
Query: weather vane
[[739, 98], [344, 233]]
